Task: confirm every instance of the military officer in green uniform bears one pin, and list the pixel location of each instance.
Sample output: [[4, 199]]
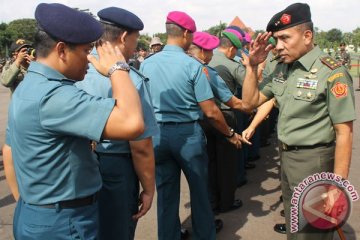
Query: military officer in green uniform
[[14, 70], [343, 56], [316, 101]]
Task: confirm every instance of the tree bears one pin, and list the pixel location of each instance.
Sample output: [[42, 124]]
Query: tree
[[144, 41], [334, 36], [217, 29], [21, 28]]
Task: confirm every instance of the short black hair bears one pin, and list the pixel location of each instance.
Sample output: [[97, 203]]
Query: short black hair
[[112, 32], [174, 30], [225, 42], [44, 43]]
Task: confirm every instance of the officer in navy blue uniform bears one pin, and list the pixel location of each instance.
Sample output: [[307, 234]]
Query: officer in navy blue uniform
[[180, 91], [123, 163], [51, 122]]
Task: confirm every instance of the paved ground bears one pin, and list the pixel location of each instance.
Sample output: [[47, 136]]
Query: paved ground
[[255, 220]]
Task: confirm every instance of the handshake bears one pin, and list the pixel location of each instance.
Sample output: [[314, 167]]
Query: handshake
[[236, 139]]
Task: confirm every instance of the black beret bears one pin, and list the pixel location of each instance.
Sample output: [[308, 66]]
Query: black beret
[[67, 24], [121, 18], [293, 15]]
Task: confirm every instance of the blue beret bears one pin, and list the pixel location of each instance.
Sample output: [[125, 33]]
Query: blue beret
[[291, 16], [66, 24], [121, 18]]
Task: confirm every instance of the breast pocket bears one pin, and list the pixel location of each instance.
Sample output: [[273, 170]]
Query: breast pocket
[[278, 88]]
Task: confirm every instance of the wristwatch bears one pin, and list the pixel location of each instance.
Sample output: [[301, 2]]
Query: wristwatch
[[232, 133], [123, 66]]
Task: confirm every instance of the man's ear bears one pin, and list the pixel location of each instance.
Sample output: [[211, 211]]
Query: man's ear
[[123, 37], [186, 32], [61, 50], [308, 37]]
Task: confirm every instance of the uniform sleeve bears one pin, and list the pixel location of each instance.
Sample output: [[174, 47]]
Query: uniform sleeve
[[151, 127], [220, 89], [7, 136], [68, 110], [9, 74], [340, 100], [265, 87], [240, 74], [202, 86]]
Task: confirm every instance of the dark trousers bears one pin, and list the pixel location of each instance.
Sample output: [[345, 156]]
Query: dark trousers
[[223, 165], [182, 147], [119, 196]]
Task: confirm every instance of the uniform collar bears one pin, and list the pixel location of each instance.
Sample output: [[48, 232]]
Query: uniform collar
[[174, 48], [46, 71], [309, 58]]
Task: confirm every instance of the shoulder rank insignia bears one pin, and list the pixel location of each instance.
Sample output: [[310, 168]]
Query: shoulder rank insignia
[[339, 90], [330, 62], [206, 72]]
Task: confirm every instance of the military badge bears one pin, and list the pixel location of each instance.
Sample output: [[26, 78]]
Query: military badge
[[285, 19], [206, 72], [307, 83], [339, 90], [335, 76]]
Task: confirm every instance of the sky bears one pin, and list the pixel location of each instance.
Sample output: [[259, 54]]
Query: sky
[[326, 14]]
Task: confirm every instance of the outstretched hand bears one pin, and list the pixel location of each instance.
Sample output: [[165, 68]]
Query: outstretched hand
[[259, 48], [108, 56]]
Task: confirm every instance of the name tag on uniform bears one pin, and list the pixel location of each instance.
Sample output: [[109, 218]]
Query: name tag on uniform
[[307, 83], [278, 80]]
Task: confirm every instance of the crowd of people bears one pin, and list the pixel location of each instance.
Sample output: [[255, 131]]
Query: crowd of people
[[81, 139]]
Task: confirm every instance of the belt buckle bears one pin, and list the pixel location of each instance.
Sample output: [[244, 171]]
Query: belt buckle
[[284, 146]]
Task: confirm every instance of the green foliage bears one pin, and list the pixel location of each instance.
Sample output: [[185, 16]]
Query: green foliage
[[144, 41], [21, 28], [217, 29], [334, 36]]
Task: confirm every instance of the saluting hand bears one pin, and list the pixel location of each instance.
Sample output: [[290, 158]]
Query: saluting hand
[[259, 49], [108, 56]]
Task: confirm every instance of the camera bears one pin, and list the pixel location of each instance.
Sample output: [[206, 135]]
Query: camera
[[31, 51]]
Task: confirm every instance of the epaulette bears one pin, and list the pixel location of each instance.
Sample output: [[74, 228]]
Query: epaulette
[[139, 73], [330, 62]]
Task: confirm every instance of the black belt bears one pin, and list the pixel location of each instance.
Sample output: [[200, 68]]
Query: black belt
[[286, 147], [176, 123], [74, 203]]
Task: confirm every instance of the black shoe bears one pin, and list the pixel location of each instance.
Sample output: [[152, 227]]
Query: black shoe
[[280, 228], [282, 213], [237, 204], [251, 159], [242, 183], [218, 225], [184, 233], [249, 165]]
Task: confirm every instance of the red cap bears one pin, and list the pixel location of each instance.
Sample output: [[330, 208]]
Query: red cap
[[205, 40], [181, 19]]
